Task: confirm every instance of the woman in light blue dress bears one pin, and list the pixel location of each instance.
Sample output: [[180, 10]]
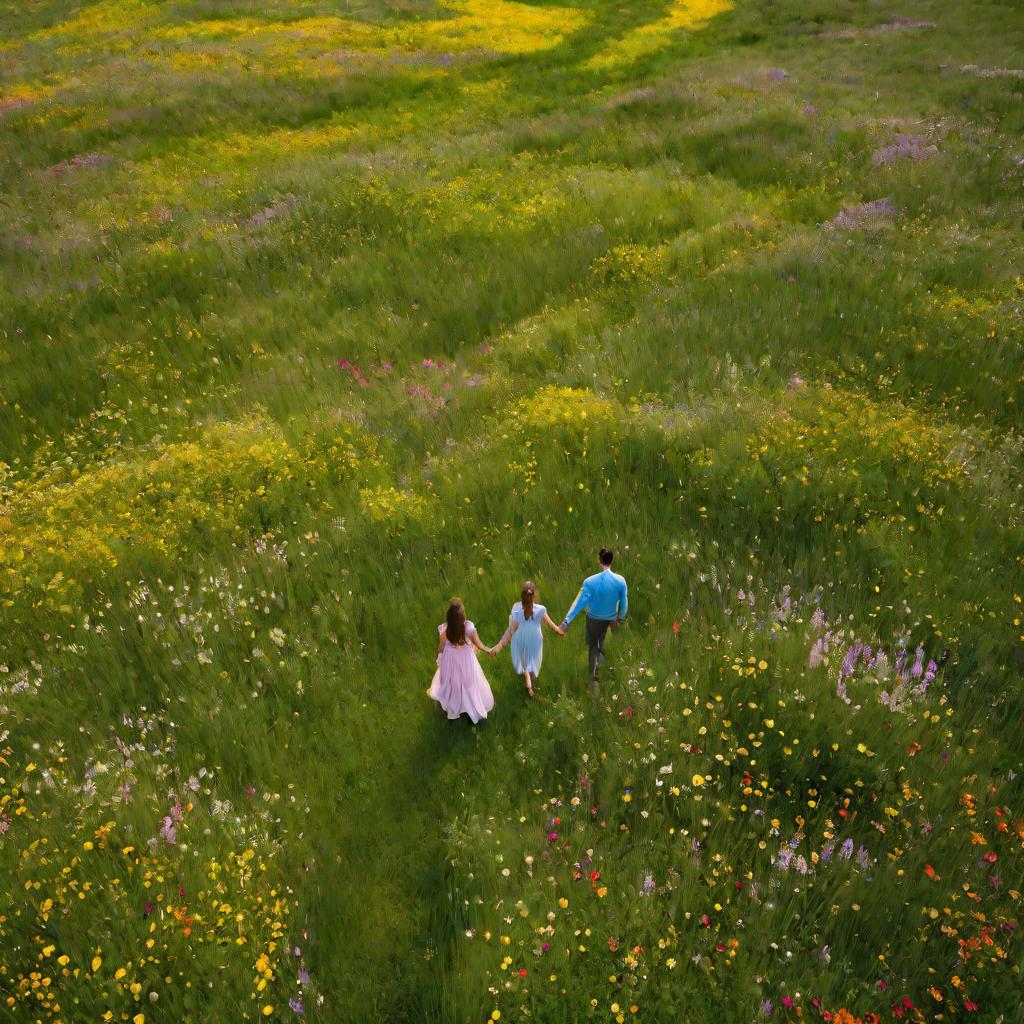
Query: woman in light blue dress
[[524, 633]]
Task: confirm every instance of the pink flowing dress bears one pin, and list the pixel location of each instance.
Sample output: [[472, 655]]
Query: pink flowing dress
[[459, 684]]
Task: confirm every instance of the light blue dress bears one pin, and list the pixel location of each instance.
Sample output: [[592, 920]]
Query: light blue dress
[[527, 645]]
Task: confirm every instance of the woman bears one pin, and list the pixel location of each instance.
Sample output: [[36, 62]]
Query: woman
[[459, 684], [524, 632]]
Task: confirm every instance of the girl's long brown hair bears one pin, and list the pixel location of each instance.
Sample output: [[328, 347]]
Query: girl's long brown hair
[[529, 592], [456, 618]]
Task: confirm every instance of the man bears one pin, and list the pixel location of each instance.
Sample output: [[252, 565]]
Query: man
[[604, 597]]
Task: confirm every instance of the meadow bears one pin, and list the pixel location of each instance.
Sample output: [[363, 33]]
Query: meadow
[[315, 313]]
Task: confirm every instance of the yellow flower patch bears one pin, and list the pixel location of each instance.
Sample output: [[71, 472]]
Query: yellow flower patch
[[647, 39]]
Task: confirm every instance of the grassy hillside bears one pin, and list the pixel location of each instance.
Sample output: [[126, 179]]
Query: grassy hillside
[[313, 314]]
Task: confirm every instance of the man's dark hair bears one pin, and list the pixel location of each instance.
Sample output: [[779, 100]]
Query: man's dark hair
[[606, 556]]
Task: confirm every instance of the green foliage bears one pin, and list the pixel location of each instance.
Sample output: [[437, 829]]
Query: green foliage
[[314, 314]]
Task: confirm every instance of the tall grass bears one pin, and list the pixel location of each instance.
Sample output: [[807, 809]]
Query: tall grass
[[313, 315]]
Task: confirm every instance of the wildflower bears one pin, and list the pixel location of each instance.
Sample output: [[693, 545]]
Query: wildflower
[[168, 832]]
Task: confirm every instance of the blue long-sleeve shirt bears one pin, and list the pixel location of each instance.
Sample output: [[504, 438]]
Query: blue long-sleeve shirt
[[603, 595]]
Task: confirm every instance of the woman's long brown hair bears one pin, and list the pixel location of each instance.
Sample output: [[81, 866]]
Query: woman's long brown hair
[[529, 592], [456, 618]]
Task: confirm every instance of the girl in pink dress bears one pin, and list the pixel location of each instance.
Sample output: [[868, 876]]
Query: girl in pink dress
[[459, 684]]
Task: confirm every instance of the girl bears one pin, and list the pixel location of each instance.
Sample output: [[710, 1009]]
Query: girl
[[459, 684], [524, 631]]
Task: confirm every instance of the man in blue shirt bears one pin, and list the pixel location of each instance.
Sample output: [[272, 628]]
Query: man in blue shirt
[[604, 597]]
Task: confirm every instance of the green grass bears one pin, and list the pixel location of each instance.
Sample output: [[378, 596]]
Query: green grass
[[315, 314]]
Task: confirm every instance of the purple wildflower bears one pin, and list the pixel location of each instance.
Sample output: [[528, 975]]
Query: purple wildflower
[[849, 661], [168, 833], [918, 667], [817, 654]]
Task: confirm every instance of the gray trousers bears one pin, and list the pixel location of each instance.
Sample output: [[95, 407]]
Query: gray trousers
[[597, 630]]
